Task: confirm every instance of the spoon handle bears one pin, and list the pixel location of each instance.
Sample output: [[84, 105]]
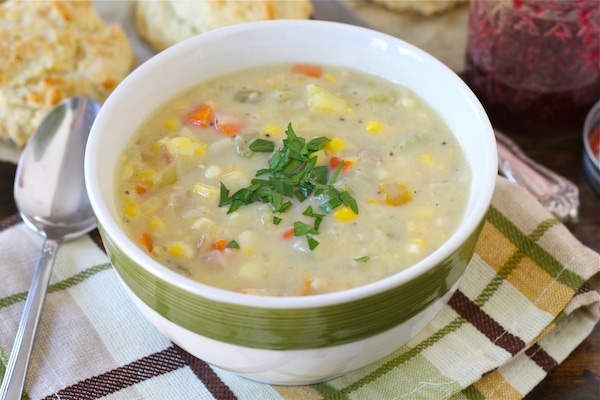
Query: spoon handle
[[556, 193], [16, 370]]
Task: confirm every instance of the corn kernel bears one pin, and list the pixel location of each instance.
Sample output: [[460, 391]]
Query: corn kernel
[[416, 245], [148, 176], [172, 123], [184, 146], [329, 77], [426, 213], [373, 126], [199, 148], [159, 144], [207, 192], [156, 224], [180, 146], [334, 145], [132, 210], [420, 241], [272, 130], [427, 159], [344, 214], [181, 249]]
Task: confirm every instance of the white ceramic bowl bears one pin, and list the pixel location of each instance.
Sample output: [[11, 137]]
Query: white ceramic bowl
[[295, 340]]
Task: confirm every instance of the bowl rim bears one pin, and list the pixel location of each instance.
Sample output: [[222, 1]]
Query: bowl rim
[[112, 227]]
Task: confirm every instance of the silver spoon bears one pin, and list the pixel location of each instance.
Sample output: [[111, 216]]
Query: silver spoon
[[556, 193], [51, 197]]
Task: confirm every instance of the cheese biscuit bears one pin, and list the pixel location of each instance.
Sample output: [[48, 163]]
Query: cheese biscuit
[[426, 8], [164, 23], [50, 50]]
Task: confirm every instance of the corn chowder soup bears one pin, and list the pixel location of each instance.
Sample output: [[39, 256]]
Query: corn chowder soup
[[292, 180]]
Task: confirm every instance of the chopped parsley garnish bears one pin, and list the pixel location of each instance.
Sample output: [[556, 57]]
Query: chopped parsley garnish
[[262, 145], [233, 245], [300, 229], [362, 259], [291, 173]]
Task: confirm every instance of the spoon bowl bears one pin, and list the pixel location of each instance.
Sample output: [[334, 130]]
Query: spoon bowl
[[49, 184], [51, 197]]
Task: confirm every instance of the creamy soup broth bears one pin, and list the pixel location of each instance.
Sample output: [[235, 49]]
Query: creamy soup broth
[[385, 152]]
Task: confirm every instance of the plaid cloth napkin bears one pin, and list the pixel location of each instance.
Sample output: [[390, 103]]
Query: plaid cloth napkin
[[529, 297]]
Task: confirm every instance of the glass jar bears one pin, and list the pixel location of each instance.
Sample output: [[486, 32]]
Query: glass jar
[[534, 64]]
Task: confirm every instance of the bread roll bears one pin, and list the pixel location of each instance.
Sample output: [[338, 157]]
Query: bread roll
[[166, 22], [424, 7], [50, 50]]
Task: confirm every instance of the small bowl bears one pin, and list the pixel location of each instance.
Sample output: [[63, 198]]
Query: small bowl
[[591, 147], [289, 340]]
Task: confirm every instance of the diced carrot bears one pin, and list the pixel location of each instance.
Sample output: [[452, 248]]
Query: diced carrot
[[139, 189], [312, 70], [146, 240], [335, 161], [228, 123], [228, 129], [288, 233], [219, 245], [201, 116]]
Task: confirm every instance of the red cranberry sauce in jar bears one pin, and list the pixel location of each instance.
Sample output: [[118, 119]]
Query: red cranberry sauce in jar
[[535, 64]]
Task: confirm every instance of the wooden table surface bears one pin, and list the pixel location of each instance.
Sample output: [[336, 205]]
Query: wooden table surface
[[578, 377]]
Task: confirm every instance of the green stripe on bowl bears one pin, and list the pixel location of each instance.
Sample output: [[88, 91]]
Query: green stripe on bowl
[[291, 329]]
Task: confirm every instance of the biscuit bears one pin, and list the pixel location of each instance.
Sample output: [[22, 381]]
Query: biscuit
[[50, 50], [164, 23], [426, 8]]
